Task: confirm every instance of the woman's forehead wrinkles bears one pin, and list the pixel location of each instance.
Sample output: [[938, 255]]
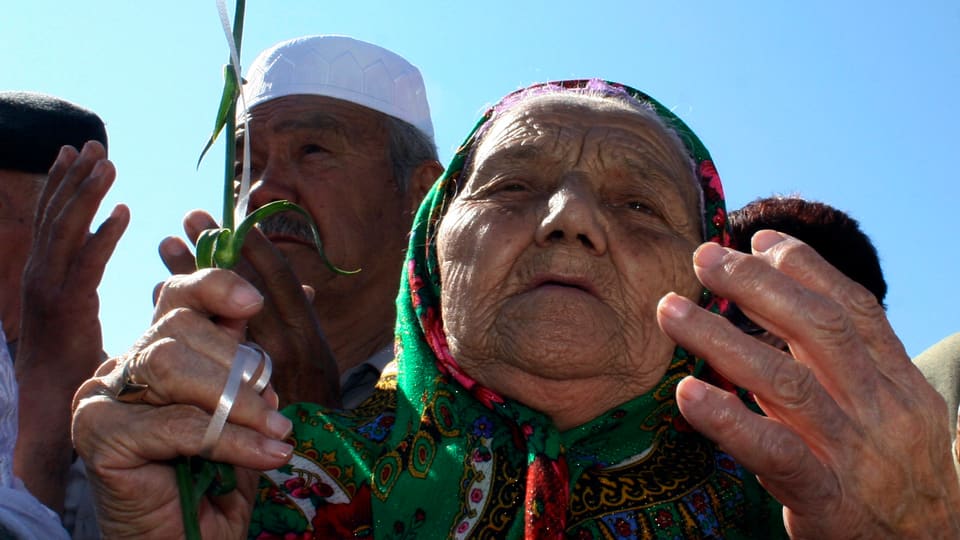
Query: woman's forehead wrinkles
[[647, 152], [514, 139], [506, 158], [625, 140], [523, 126], [521, 152], [650, 171]]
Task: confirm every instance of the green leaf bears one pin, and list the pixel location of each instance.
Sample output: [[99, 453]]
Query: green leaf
[[203, 473], [275, 207], [227, 99], [226, 253], [207, 244], [224, 479]]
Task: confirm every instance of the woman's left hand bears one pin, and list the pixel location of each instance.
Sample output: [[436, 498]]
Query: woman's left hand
[[855, 442]]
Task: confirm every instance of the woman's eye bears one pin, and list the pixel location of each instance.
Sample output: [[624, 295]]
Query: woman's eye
[[513, 186], [640, 207], [506, 188]]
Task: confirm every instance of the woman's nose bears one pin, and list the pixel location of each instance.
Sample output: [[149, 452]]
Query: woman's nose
[[573, 215], [274, 183]]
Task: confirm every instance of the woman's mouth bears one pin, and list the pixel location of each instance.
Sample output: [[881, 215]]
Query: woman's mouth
[[564, 282]]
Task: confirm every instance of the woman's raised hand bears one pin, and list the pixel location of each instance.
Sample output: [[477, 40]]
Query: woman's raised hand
[[855, 441]]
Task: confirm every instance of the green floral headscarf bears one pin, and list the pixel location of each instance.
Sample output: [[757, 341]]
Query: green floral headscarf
[[433, 454]]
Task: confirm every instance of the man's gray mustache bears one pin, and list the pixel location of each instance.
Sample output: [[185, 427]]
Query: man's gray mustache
[[284, 225]]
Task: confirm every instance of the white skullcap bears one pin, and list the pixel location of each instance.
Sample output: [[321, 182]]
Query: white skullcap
[[343, 68]]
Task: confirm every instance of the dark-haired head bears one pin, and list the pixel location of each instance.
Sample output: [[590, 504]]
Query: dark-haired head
[[34, 126], [832, 233]]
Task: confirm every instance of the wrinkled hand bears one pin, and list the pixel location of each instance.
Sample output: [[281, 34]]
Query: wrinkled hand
[[60, 341], [185, 358], [854, 444], [287, 327]]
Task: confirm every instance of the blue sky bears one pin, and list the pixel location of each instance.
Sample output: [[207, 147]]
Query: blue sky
[[851, 103]]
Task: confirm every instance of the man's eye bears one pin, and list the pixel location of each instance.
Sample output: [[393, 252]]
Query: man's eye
[[238, 170], [313, 149], [513, 186]]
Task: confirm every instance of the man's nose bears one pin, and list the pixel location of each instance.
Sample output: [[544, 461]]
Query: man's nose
[[277, 181]]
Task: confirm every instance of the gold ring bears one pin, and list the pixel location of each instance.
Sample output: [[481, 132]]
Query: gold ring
[[130, 392]]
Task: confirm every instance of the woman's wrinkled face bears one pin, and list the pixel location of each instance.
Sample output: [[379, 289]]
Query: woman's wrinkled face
[[577, 216]]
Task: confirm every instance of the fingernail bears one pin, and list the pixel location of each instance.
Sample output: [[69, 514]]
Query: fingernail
[[766, 239], [118, 211], [279, 425], [272, 398], [64, 150], [86, 147], [674, 306], [245, 296], [708, 255], [98, 169], [693, 389], [277, 449], [172, 246]]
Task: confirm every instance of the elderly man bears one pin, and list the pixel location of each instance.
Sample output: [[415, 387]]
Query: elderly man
[[49, 275], [342, 128]]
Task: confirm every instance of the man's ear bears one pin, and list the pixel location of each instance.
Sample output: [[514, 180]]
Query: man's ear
[[421, 181]]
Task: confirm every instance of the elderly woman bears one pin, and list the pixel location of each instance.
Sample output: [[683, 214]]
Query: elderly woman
[[539, 384]]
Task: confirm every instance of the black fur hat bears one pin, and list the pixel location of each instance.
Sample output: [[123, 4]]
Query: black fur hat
[[34, 126]]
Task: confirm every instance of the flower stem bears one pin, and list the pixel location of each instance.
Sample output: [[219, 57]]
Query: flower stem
[[188, 503], [229, 167], [230, 153]]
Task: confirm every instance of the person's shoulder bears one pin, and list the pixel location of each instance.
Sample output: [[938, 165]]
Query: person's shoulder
[[940, 365], [941, 359], [23, 517]]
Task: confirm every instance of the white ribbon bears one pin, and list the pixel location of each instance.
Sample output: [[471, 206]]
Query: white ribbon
[[243, 197], [248, 358]]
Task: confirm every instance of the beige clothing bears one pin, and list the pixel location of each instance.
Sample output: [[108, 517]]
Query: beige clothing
[[940, 364]]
